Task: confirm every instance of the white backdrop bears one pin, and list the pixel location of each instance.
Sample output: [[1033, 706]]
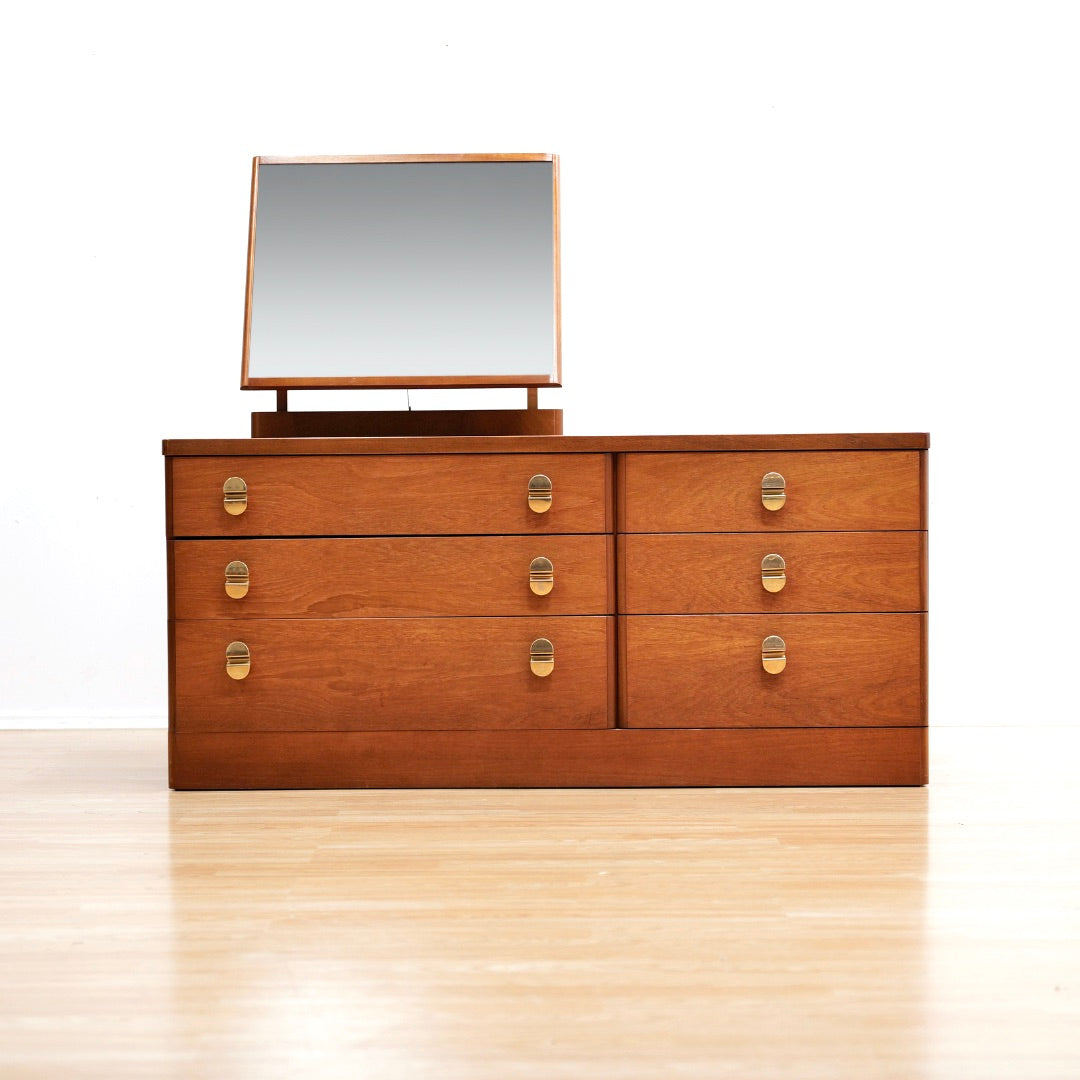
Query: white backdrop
[[777, 217]]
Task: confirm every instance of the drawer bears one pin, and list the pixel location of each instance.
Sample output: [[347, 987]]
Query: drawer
[[393, 577], [392, 674], [692, 573], [706, 671], [721, 492], [390, 495]]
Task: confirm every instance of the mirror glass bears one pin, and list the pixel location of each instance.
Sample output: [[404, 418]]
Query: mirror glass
[[403, 272]]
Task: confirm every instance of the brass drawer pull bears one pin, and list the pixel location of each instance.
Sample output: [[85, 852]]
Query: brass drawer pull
[[773, 654], [773, 491], [237, 660], [542, 657], [237, 579], [540, 493], [773, 578], [541, 576], [235, 491]]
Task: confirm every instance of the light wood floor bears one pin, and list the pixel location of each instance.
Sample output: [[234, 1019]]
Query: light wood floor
[[539, 934]]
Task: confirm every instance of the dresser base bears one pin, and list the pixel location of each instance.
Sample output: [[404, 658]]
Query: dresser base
[[612, 757]]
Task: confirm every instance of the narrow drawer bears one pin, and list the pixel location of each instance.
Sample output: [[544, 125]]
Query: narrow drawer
[[391, 495], [700, 573], [393, 674], [722, 492], [706, 671], [393, 577]]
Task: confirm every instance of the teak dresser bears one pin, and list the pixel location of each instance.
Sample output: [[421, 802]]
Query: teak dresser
[[547, 611]]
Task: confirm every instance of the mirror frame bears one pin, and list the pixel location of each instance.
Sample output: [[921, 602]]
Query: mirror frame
[[248, 382]]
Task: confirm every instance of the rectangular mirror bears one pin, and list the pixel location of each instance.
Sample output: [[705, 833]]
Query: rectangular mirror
[[408, 271]]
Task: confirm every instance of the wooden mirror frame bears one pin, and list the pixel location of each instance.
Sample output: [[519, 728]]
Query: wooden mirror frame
[[248, 382]]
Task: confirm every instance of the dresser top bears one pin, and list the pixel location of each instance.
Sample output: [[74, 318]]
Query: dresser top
[[542, 444]]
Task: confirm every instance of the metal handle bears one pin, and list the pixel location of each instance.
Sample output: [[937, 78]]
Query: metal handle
[[773, 491], [542, 657], [237, 660], [540, 493], [235, 495], [773, 654], [773, 578], [237, 579], [541, 576]]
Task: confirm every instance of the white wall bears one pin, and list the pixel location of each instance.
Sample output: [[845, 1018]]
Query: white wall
[[776, 217]]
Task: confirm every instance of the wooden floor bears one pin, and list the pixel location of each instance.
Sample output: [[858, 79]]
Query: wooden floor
[[862, 933]]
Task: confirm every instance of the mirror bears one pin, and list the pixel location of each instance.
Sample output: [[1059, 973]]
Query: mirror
[[406, 271]]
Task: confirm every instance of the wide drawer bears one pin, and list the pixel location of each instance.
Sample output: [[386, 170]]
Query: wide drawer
[[393, 577], [387, 674], [707, 671], [722, 492], [390, 495], [692, 573]]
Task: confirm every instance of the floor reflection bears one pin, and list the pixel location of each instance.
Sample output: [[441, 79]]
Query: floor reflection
[[479, 929]]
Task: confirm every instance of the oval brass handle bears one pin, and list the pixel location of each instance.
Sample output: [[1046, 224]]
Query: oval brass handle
[[541, 576], [773, 578], [237, 579], [773, 654], [773, 491], [237, 660], [542, 657], [235, 495], [540, 493]]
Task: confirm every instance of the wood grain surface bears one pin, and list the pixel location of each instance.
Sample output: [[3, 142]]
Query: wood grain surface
[[392, 535], [705, 671], [371, 674], [564, 444], [396, 495], [836, 933], [392, 577], [613, 758], [701, 573], [722, 492]]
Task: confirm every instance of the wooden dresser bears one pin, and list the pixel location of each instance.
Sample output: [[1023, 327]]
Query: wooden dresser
[[547, 611]]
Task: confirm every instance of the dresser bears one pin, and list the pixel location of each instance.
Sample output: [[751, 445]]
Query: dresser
[[547, 611]]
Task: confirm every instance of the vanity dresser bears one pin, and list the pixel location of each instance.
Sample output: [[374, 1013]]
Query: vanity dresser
[[553, 610], [534, 609]]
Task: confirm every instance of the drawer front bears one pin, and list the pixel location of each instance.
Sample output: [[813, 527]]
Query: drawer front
[[721, 492], [393, 577], [687, 573], [706, 671], [393, 674], [392, 495]]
